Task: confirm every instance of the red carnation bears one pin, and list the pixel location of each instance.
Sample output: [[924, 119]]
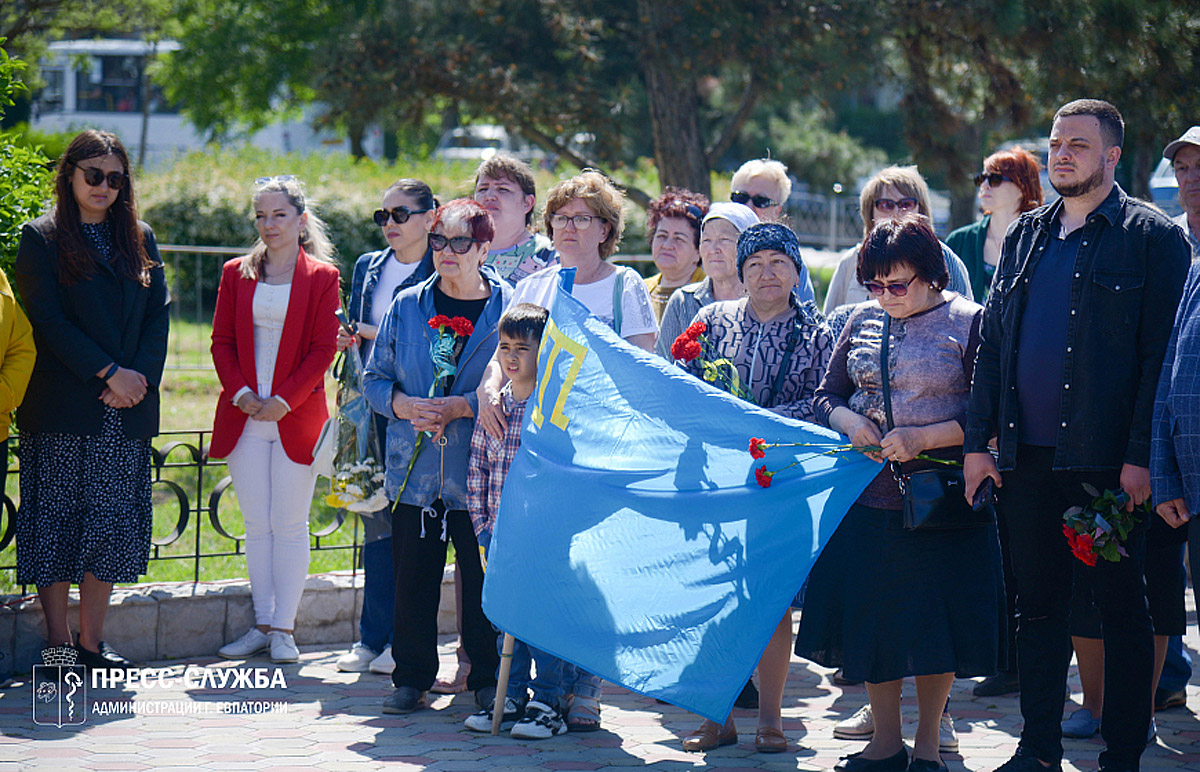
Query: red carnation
[[1082, 549], [763, 476], [439, 321], [685, 349], [1069, 532], [695, 330], [462, 326], [758, 447]]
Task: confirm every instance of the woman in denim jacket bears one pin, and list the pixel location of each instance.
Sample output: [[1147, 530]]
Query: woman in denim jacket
[[430, 422]]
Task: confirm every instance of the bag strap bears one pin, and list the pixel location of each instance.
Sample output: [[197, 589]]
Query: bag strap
[[619, 297], [886, 383], [793, 336]]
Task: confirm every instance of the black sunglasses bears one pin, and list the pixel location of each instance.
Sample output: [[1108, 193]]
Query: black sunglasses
[[459, 245], [906, 204], [400, 214], [993, 178], [759, 202], [94, 176]]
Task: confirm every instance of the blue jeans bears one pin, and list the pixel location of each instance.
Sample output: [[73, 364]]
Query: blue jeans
[[547, 685], [1177, 669], [379, 595]]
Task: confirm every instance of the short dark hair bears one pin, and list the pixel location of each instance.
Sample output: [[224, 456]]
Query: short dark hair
[[419, 190], [908, 241], [524, 321], [1112, 125], [502, 166]]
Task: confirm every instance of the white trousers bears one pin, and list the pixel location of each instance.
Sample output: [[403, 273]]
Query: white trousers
[[275, 494]]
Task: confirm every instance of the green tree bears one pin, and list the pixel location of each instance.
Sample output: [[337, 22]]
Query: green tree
[[24, 179]]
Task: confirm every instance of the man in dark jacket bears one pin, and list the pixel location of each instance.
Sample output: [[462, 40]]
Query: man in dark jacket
[[1073, 337]]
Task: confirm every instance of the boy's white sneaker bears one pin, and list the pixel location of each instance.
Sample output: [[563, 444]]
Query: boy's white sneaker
[[357, 660], [383, 664], [541, 721]]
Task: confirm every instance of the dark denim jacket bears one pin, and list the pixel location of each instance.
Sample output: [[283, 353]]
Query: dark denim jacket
[[1129, 274], [367, 270]]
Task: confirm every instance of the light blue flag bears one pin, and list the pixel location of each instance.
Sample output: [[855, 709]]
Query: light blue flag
[[632, 538]]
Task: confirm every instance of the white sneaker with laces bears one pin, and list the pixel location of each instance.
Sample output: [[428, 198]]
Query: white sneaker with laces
[[357, 660], [860, 726], [283, 647], [252, 642], [383, 664], [482, 721], [947, 739], [541, 721]]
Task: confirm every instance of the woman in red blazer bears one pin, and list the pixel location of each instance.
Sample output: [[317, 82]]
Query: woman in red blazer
[[274, 336]]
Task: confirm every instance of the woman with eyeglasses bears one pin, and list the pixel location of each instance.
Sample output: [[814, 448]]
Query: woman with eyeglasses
[[891, 194], [763, 185], [274, 336], [673, 227], [885, 603], [585, 219], [1008, 185], [780, 348], [94, 289], [404, 220], [430, 420]]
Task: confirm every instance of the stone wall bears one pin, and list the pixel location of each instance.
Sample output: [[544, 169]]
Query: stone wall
[[153, 622]]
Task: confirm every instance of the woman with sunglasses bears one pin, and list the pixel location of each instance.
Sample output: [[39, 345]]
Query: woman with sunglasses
[[429, 425], [673, 227], [274, 336], [763, 185], [404, 220], [94, 289], [780, 348], [885, 603], [891, 194], [1008, 185]]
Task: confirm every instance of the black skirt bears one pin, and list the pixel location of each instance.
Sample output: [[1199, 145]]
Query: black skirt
[[85, 506], [884, 603]]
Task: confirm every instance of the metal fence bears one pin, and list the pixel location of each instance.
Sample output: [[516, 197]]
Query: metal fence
[[828, 222], [184, 476]]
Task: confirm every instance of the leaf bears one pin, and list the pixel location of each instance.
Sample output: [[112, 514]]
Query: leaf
[[1091, 490]]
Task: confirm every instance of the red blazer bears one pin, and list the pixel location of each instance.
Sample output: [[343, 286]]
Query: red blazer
[[306, 350]]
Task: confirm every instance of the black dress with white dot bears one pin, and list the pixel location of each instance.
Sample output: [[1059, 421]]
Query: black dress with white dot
[[85, 500]]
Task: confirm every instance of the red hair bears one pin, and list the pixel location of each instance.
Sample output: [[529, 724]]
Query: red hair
[[1020, 166]]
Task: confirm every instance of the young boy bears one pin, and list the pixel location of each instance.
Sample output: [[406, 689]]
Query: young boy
[[520, 335]]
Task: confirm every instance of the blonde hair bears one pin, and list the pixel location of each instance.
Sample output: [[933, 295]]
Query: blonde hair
[[604, 199], [313, 238], [767, 168], [905, 179]]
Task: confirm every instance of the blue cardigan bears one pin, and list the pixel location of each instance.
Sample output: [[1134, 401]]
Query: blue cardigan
[[400, 361]]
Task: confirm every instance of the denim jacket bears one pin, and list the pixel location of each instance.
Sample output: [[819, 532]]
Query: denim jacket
[[401, 361], [1129, 273], [367, 270]]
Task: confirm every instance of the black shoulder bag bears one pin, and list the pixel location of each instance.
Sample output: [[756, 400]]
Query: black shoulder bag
[[933, 498]]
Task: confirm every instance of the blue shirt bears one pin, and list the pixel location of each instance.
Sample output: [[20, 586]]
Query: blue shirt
[[1042, 345]]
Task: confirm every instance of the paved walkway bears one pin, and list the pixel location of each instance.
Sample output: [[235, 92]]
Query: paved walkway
[[333, 722]]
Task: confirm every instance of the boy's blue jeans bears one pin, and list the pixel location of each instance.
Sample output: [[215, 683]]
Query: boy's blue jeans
[[548, 685], [379, 592]]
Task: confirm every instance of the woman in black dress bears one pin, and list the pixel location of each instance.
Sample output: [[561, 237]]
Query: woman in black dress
[[94, 290]]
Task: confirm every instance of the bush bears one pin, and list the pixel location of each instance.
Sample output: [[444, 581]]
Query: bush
[[24, 179]]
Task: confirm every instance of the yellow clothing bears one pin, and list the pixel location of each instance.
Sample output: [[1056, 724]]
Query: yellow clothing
[[16, 354], [660, 295]]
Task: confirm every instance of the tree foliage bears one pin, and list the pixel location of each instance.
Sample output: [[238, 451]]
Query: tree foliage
[[23, 172]]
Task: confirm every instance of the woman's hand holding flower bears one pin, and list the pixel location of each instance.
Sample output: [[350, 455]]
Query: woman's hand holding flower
[[903, 443]]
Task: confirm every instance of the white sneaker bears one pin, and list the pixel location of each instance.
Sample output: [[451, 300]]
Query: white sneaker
[[357, 660], [383, 664], [283, 647], [541, 721], [860, 726], [251, 643], [514, 710], [947, 739]]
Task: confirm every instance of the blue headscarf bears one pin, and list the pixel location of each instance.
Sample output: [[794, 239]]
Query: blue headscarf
[[768, 235]]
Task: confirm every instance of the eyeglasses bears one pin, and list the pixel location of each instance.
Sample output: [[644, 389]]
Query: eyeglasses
[[459, 245], [759, 202], [887, 205], [992, 178], [261, 181], [582, 221], [400, 214], [94, 176], [897, 289]]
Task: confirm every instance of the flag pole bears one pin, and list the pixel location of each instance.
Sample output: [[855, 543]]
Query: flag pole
[[502, 683]]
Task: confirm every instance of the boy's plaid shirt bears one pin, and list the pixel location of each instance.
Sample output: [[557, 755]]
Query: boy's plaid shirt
[[489, 462]]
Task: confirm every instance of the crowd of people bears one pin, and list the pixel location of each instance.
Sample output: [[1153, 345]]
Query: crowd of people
[[1076, 374]]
